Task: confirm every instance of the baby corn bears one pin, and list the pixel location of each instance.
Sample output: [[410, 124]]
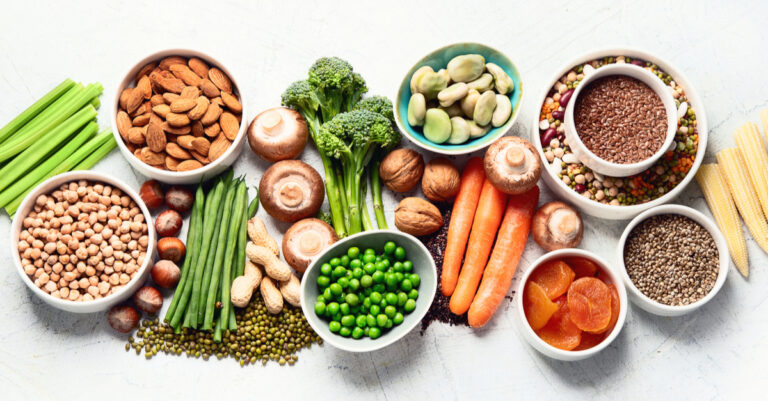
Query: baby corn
[[753, 154]]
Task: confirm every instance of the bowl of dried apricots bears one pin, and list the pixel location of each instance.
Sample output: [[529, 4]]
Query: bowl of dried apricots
[[573, 304]]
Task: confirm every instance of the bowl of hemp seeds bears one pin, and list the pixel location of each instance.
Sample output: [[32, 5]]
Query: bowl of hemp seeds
[[673, 260]]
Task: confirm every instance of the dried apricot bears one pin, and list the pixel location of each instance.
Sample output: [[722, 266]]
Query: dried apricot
[[560, 331], [615, 307], [589, 301], [589, 340], [537, 306], [581, 266], [554, 276]]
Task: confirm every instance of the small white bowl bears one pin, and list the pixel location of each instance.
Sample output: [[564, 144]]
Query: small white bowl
[[96, 305], [557, 353], [657, 308], [186, 177], [602, 166]]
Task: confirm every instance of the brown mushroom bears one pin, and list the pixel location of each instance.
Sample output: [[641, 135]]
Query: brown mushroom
[[512, 165], [291, 190], [278, 134], [401, 169], [306, 239], [556, 225]]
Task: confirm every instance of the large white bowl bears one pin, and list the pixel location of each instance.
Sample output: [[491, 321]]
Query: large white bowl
[[657, 308], [557, 353], [96, 305], [185, 177], [604, 211]]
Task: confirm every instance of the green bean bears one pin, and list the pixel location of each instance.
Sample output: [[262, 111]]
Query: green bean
[[193, 247], [241, 201], [253, 207]]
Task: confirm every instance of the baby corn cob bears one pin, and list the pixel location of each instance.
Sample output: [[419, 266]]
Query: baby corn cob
[[753, 154], [764, 119], [734, 171], [721, 204]]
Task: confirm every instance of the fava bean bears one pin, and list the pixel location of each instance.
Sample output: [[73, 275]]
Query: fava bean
[[459, 130], [466, 67], [417, 109], [476, 131], [430, 84], [482, 84], [502, 111], [417, 75], [484, 108], [437, 125], [501, 80], [453, 93], [468, 103], [453, 110]]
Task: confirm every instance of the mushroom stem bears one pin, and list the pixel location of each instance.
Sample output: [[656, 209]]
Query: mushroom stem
[[515, 156], [291, 194]]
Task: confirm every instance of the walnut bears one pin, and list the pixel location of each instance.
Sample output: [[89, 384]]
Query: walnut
[[441, 180], [402, 169], [416, 216]]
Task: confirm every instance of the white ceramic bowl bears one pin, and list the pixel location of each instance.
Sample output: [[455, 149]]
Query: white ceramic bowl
[[657, 308], [186, 177], [97, 305], [605, 211], [422, 264], [556, 353], [603, 166]]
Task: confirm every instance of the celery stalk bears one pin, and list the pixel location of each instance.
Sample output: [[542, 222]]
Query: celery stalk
[[45, 116], [98, 154], [35, 109]]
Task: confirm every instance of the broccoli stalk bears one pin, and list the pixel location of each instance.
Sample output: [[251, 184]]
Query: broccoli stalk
[[378, 205], [367, 224]]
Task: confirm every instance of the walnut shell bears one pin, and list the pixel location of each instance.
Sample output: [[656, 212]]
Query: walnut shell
[[418, 217], [402, 169], [441, 180]]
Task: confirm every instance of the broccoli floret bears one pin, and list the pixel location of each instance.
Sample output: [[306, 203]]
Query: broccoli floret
[[302, 97], [353, 93], [377, 104], [332, 77]]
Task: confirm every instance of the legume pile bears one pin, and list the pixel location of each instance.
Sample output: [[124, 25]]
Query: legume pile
[[661, 178], [672, 259], [365, 294], [260, 336], [620, 119]]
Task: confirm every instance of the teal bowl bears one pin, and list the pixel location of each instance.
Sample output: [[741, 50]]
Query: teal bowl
[[423, 265], [439, 59]]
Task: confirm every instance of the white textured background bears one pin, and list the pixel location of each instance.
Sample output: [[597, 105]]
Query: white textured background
[[716, 353]]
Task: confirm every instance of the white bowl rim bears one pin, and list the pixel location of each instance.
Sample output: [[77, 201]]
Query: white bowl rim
[[693, 98], [531, 335], [381, 342], [157, 56], [69, 177], [664, 95], [658, 308]]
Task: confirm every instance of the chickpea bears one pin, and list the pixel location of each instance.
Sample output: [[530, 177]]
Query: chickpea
[[57, 268], [69, 276], [35, 253], [23, 246], [98, 188], [106, 233], [104, 200], [29, 269], [131, 268], [50, 286], [73, 294], [81, 266], [107, 251], [50, 247], [98, 227], [125, 238], [124, 214], [100, 266], [124, 278], [64, 291], [114, 279], [23, 235], [56, 294], [55, 277], [139, 218]]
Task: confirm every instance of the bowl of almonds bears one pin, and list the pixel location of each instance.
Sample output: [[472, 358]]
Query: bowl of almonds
[[179, 116]]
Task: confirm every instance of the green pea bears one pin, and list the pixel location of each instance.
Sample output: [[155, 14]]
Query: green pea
[[339, 298], [380, 267], [336, 289], [381, 320], [323, 281], [374, 333], [398, 267], [370, 251], [391, 280], [399, 253], [389, 247], [390, 311], [367, 302], [345, 331], [370, 320], [407, 266], [367, 292], [344, 308], [354, 310], [366, 281], [389, 324], [415, 279], [385, 263], [353, 252], [378, 277], [409, 306], [360, 321], [383, 303], [335, 262], [365, 331], [369, 258], [320, 298], [413, 294], [357, 272], [374, 309], [327, 294], [343, 282], [375, 297], [352, 299], [398, 318], [348, 321], [354, 284], [357, 333], [339, 271], [326, 269], [401, 298], [379, 258], [332, 308], [406, 285], [319, 308], [337, 317], [399, 277], [334, 327], [355, 263], [345, 260], [369, 268]]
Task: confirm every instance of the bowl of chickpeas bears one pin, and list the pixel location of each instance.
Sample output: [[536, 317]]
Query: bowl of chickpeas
[[83, 241]]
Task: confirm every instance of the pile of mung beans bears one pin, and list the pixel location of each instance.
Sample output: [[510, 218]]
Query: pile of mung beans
[[260, 336], [658, 180]]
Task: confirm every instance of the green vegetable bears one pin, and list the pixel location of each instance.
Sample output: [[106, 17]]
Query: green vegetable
[[240, 204], [35, 109]]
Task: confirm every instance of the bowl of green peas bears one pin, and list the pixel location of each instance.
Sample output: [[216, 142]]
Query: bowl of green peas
[[369, 290]]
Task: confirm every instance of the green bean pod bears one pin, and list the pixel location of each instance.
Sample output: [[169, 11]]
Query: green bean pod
[[193, 246]]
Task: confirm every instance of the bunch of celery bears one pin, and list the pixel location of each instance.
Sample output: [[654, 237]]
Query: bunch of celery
[[54, 135]]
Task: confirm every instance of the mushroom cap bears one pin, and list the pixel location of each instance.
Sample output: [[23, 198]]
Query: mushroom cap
[[291, 190], [305, 240], [278, 134], [556, 225], [512, 165]]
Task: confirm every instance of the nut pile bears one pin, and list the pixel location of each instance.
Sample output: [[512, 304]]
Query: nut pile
[[182, 114], [672, 259], [83, 241]]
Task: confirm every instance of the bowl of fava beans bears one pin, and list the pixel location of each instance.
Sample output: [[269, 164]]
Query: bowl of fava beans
[[369, 290]]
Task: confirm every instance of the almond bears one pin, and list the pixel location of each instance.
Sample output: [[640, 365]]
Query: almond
[[136, 136], [170, 97], [175, 130], [197, 129], [124, 95], [123, 124], [229, 125], [171, 163], [188, 165], [166, 63], [144, 71], [174, 84], [185, 141], [220, 79], [155, 119], [156, 100], [185, 74], [201, 145], [211, 115], [199, 157], [161, 110], [142, 120], [144, 87], [177, 120], [218, 101], [183, 105], [155, 138], [143, 108], [198, 66], [190, 92], [213, 130], [176, 151], [218, 147], [133, 100], [209, 89], [231, 102], [201, 106], [150, 157], [132, 148]]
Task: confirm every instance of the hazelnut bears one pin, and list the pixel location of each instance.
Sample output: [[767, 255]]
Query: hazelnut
[[418, 217], [402, 169], [441, 180]]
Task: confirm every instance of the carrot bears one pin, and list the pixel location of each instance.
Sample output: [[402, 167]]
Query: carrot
[[490, 209], [461, 221], [509, 247]]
